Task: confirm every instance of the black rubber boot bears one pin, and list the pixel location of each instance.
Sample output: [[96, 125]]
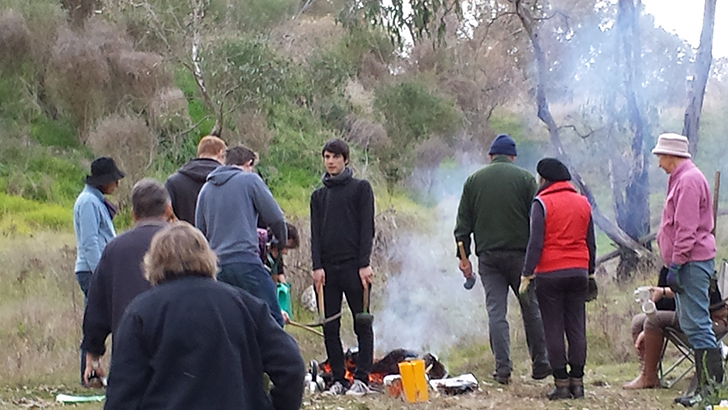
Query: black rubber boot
[[560, 390], [701, 372], [576, 387]]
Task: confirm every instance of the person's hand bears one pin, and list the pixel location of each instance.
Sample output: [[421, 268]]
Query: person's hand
[[93, 373], [673, 277], [281, 278], [286, 318], [466, 268], [365, 275], [523, 288], [639, 343], [319, 277]]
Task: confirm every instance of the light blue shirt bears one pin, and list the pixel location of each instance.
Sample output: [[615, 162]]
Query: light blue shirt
[[93, 227]]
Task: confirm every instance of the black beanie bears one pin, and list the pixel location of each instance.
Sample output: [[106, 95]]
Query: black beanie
[[553, 170]]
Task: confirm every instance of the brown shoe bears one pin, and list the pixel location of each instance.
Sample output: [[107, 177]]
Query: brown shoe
[[648, 376]]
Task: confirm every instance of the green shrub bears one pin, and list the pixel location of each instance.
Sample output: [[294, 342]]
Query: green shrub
[[54, 133], [23, 216]]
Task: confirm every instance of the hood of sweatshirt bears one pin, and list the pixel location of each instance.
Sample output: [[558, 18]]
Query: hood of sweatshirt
[[199, 168], [222, 174]]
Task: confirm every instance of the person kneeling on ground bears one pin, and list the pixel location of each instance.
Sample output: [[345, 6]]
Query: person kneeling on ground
[[648, 330], [191, 342]]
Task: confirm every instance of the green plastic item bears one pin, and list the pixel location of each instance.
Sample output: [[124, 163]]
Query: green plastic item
[[284, 297], [66, 398]]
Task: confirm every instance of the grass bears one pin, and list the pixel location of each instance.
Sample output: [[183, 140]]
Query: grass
[[41, 308]]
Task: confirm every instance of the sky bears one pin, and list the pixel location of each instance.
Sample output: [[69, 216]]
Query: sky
[[687, 21]]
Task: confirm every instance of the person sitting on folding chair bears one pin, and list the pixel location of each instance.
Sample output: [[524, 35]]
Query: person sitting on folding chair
[[648, 331]]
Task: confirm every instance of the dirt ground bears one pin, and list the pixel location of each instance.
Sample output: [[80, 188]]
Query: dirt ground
[[520, 394]]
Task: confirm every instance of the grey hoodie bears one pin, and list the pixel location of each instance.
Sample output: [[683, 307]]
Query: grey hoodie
[[227, 214]]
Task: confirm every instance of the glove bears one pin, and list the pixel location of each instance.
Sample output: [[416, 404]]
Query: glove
[[523, 288], [673, 278], [592, 290]]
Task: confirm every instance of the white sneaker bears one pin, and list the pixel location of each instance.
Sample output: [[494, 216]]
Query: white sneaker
[[358, 388], [336, 389]]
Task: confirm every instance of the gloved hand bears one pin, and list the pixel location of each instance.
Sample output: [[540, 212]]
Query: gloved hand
[[523, 288], [592, 290], [673, 278]]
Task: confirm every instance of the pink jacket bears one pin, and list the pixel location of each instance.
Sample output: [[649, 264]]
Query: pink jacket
[[687, 218]]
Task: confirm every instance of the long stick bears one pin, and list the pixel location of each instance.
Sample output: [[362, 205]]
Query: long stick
[[716, 193], [304, 327]]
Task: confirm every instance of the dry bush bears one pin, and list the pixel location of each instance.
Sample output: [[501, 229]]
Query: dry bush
[[96, 71], [80, 10], [168, 109], [79, 77], [366, 133], [301, 38], [14, 38], [130, 142], [138, 75], [251, 130]]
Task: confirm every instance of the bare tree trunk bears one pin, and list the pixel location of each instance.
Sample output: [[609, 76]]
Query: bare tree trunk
[[703, 60], [544, 114], [634, 214]]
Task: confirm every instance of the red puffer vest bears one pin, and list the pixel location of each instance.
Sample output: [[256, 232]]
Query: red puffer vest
[[566, 220]]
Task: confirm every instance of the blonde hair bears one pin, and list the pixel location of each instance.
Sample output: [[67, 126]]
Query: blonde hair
[[177, 251], [210, 146]]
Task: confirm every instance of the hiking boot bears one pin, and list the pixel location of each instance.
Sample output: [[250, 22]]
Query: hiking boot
[[560, 390], [502, 379], [576, 387], [336, 389], [358, 388]]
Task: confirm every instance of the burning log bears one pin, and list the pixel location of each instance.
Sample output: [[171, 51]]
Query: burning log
[[385, 366]]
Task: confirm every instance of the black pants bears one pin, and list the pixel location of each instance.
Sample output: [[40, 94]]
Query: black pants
[[561, 300], [344, 279]]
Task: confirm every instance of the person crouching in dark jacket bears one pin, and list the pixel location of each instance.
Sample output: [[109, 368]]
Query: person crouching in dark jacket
[[560, 255], [191, 342]]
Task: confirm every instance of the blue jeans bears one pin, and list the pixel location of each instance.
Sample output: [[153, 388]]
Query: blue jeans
[[692, 304], [254, 279], [84, 282]]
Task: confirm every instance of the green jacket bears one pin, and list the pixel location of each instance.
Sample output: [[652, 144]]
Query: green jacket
[[495, 207]]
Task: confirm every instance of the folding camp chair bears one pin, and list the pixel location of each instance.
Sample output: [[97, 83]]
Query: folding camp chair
[[680, 368]]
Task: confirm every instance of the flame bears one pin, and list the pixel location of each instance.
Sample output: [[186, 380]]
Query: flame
[[350, 366]]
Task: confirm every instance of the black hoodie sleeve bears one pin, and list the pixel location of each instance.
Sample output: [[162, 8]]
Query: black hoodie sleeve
[[366, 213], [315, 219]]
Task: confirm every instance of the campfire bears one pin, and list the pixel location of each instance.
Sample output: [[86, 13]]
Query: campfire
[[380, 368]]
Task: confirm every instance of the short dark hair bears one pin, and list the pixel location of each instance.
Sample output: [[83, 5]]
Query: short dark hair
[[239, 156], [293, 236], [149, 199], [337, 146]]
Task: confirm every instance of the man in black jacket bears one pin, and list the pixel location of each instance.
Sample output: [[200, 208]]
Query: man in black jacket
[[118, 277], [184, 185], [342, 232]]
